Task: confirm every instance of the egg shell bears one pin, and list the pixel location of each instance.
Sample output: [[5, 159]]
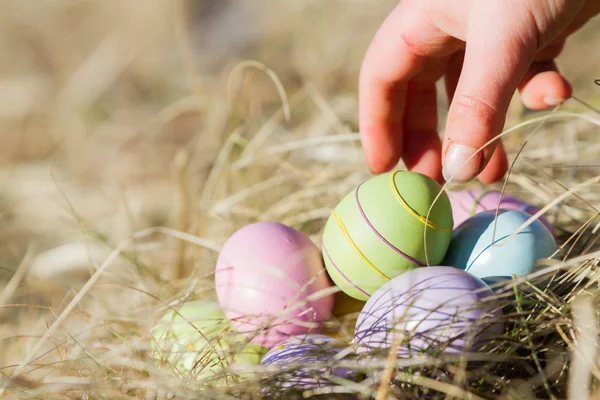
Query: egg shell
[[196, 340], [471, 248], [377, 231], [345, 311], [466, 203], [432, 309], [344, 305], [306, 361], [269, 280]]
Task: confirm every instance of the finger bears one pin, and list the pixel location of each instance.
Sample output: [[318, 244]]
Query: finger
[[496, 167], [452, 75], [388, 66], [422, 145], [397, 53], [543, 87], [551, 51], [381, 108], [496, 59]]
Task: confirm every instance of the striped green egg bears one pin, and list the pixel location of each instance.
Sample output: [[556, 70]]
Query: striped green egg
[[377, 231]]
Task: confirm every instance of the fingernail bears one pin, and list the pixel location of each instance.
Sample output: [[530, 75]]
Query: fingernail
[[454, 164], [553, 101]]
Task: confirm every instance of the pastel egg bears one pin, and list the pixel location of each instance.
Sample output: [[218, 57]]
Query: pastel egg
[[377, 231], [345, 305], [466, 203], [270, 281], [305, 362], [195, 339], [482, 245], [345, 310], [428, 310]]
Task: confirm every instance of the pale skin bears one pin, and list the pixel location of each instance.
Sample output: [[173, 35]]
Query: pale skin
[[485, 50]]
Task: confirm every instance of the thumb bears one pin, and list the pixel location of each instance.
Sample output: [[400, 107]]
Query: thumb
[[499, 50]]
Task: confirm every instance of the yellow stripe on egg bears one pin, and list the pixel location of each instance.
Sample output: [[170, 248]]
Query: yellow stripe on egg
[[410, 210], [354, 246]]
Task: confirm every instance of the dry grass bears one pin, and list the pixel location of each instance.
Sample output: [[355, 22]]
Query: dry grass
[[130, 152]]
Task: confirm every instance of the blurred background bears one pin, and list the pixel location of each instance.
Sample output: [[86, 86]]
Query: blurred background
[[97, 97], [117, 116]]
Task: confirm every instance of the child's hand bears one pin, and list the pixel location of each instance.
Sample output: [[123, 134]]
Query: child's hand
[[505, 45]]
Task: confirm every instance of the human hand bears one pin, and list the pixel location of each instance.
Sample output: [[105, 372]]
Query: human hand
[[485, 50]]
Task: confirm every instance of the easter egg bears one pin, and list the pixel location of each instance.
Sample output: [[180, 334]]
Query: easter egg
[[270, 281], [428, 310], [378, 232], [345, 311], [305, 362], [344, 305], [466, 203], [482, 247], [195, 339]]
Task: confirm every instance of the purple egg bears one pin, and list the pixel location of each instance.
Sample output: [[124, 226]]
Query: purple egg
[[306, 362], [431, 309], [466, 203]]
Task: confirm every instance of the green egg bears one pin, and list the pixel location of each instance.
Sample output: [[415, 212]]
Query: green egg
[[196, 340], [378, 232]]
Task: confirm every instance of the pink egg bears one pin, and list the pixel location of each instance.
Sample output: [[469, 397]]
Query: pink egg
[[466, 203], [268, 279]]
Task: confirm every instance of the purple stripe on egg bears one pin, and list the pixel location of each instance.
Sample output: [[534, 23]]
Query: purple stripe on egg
[[397, 250], [338, 270]]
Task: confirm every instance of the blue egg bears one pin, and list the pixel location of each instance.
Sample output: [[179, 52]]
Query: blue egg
[[481, 245]]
